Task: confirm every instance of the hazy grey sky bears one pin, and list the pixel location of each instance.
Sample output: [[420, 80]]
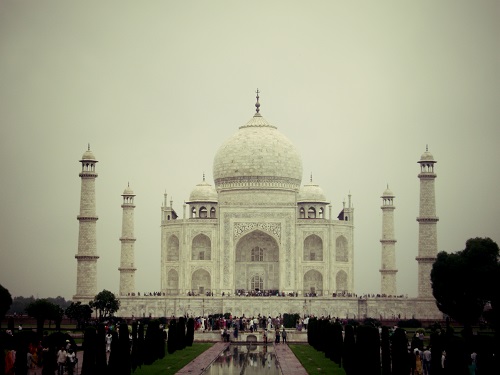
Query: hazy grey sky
[[156, 87]]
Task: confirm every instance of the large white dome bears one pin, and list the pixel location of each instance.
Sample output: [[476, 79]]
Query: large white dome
[[257, 156]]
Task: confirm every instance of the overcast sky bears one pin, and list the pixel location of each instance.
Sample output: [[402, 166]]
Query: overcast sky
[[156, 87]]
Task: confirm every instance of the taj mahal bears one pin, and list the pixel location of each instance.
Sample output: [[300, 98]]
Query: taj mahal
[[259, 241]]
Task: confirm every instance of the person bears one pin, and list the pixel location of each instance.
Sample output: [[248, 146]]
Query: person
[[71, 361], [265, 336], [61, 360], [418, 363], [109, 337], [30, 361], [283, 335], [277, 341], [473, 366], [68, 345], [411, 360], [426, 360], [443, 362]]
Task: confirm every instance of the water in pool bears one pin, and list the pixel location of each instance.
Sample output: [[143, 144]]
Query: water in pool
[[245, 359]]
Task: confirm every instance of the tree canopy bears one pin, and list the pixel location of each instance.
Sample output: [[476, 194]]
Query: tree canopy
[[5, 301], [464, 282], [41, 310], [106, 303], [79, 312]]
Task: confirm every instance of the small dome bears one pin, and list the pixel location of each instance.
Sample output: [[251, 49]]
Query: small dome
[[128, 191], [88, 155], [203, 192], [388, 193], [311, 193], [427, 156]]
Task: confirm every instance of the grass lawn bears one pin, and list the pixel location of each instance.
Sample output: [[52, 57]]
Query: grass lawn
[[315, 362], [172, 363]]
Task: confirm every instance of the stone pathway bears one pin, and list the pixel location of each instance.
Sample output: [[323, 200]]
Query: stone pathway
[[200, 363], [288, 363]]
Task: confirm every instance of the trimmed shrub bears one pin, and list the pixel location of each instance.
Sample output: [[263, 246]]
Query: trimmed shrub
[[386, 352], [190, 332], [400, 356], [348, 350], [367, 350]]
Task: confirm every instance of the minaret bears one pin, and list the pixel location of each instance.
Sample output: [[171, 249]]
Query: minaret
[[86, 272], [388, 269], [427, 220], [127, 268]]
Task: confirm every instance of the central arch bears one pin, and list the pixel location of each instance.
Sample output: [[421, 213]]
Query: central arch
[[257, 258]]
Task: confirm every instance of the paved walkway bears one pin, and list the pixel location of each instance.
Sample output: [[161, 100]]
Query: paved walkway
[[200, 363], [288, 363]]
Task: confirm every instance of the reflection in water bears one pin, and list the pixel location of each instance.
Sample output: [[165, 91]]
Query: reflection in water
[[245, 359]]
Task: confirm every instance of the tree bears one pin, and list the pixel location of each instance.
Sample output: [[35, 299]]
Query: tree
[[41, 310], [5, 302], [79, 312], [190, 332], [399, 352], [348, 350], [386, 352], [367, 350], [463, 282], [124, 350], [89, 353], [106, 303]]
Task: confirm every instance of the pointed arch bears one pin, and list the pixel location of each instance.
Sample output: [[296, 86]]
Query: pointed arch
[[200, 282], [257, 254], [201, 247], [341, 249], [203, 213], [172, 282], [173, 249], [313, 248], [341, 281], [313, 283], [311, 213]]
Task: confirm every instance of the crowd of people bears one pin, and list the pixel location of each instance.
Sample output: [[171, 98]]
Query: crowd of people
[[37, 356], [268, 293]]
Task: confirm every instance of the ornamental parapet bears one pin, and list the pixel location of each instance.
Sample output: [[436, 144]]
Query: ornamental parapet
[[87, 218], [87, 257], [256, 182], [312, 221], [388, 241], [128, 205], [202, 220], [388, 271]]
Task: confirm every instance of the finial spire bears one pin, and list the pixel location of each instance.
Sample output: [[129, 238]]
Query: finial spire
[[88, 146], [426, 148], [257, 104], [311, 177], [203, 176]]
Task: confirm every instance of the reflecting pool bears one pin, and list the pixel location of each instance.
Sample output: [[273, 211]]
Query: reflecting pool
[[245, 359]]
